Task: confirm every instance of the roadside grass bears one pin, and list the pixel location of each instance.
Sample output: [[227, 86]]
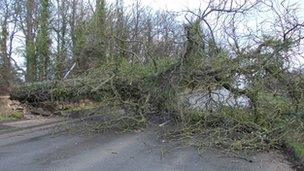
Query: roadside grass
[[295, 146], [298, 148], [10, 116]]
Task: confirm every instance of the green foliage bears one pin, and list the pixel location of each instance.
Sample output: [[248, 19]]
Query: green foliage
[[271, 108], [95, 84], [235, 129], [127, 69], [97, 32], [79, 41]]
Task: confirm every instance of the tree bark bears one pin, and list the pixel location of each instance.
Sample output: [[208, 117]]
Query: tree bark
[[7, 69], [31, 61]]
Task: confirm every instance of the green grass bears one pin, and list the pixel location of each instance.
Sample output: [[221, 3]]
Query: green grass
[[11, 116], [297, 148]]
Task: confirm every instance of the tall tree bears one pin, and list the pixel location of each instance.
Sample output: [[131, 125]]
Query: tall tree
[[61, 39], [43, 40], [6, 64], [72, 24], [136, 28], [99, 29], [91, 33], [79, 32], [120, 30], [31, 61]]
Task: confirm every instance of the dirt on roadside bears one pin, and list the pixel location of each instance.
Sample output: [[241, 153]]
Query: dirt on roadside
[[11, 109]]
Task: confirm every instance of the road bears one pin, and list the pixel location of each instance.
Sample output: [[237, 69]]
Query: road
[[35, 146]]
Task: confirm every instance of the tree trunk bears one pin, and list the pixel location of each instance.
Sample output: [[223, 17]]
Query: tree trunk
[[43, 41], [7, 70], [31, 61]]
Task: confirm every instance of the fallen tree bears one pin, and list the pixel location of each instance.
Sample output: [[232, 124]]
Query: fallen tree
[[275, 94], [156, 90]]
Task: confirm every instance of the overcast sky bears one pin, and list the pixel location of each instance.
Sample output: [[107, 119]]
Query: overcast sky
[[173, 5], [176, 5]]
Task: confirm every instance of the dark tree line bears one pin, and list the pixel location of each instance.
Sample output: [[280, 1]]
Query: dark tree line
[[56, 34]]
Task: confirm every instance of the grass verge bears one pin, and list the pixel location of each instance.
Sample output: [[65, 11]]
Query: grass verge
[[294, 148], [11, 116]]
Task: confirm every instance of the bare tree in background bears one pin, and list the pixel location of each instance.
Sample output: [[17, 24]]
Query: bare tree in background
[[7, 36]]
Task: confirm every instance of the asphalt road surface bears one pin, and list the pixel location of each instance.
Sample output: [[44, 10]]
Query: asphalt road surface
[[33, 145]]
